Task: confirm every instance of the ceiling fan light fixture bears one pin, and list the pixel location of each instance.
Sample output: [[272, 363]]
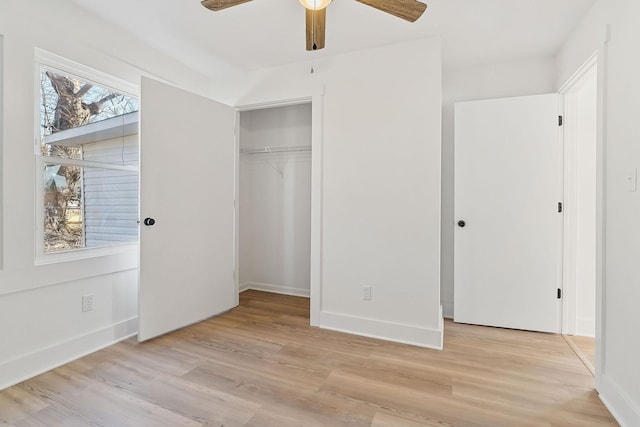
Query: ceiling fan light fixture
[[315, 14], [315, 4]]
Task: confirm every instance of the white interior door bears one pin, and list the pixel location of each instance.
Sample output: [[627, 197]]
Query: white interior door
[[507, 190], [187, 164]]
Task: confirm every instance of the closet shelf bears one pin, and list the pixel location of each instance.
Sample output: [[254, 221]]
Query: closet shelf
[[275, 149]]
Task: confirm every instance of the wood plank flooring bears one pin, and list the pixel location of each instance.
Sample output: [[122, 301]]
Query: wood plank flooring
[[585, 349], [262, 365]]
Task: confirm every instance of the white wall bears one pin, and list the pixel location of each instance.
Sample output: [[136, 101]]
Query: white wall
[[380, 185], [275, 201], [41, 323], [486, 82], [619, 67]]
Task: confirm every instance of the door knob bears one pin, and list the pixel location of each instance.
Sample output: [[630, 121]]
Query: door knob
[[149, 221], [461, 224]]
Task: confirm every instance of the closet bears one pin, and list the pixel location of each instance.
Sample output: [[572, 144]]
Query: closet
[[274, 218]]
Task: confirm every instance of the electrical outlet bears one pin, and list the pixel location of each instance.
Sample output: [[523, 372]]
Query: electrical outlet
[[87, 302], [366, 293]]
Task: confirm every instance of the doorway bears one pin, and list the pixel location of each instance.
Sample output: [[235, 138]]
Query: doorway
[[178, 288], [274, 199], [579, 97]]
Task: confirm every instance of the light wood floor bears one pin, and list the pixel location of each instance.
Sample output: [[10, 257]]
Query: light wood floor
[[262, 365], [585, 349]]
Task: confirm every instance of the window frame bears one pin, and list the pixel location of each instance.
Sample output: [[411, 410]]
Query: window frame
[[49, 61]]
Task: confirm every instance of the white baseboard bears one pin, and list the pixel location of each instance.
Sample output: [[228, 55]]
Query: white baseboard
[[396, 332], [276, 289], [406, 334], [622, 407], [38, 362], [447, 309]]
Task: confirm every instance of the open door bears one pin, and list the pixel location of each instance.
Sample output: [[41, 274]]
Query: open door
[[187, 163], [508, 189]]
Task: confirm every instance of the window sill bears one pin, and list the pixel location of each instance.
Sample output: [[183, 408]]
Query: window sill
[[80, 254]]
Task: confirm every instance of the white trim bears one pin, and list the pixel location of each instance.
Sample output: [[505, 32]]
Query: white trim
[[601, 208], [38, 362], [84, 253], [569, 140], [388, 331], [276, 289], [618, 402], [316, 98], [273, 104], [86, 163], [236, 210], [579, 74], [89, 74], [317, 202]]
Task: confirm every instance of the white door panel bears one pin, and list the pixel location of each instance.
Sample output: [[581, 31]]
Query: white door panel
[[187, 187], [507, 189]]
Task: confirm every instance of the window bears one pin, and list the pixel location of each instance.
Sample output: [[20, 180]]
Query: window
[[87, 163]]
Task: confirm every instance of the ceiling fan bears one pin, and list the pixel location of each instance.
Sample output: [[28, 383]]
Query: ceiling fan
[[409, 10]]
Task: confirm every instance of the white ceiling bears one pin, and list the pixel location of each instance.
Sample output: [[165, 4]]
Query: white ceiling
[[268, 33]]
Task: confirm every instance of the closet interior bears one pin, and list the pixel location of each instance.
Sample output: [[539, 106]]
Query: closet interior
[[274, 219]]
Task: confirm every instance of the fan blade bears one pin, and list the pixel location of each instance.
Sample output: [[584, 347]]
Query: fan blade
[[216, 5], [409, 10], [315, 28]]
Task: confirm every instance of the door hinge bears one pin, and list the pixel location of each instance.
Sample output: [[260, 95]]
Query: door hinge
[[559, 293], [560, 207], [560, 120]]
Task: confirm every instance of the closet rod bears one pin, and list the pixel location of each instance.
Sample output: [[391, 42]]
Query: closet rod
[[275, 149]]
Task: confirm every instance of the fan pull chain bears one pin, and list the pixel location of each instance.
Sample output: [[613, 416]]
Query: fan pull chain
[[313, 32]]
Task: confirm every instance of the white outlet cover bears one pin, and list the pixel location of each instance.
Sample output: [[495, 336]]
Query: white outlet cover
[[87, 302], [366, 293]]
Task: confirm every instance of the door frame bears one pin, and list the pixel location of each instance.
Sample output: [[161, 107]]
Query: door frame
[[600, 57], [316, 99], [569, 254]]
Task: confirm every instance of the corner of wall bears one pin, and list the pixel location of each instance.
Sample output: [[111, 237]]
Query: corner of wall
[[26, 366], [244, 287], [275, 289], [621, 406]]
